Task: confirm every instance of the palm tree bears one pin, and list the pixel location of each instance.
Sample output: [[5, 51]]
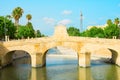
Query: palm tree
[[17, 13], [116, 21], [29, 17]]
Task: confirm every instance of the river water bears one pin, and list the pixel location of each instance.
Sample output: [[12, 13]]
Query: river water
[[59, 69]]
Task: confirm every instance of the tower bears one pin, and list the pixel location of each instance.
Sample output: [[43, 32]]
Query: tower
[[81, 22]]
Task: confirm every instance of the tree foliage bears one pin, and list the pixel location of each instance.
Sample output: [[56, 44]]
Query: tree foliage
[[7, 28], [95, 32], [26, 31], [29, 17], [111, 30], [72, 31], [2, 27], [116, 21], [109, 22], [38, 33]]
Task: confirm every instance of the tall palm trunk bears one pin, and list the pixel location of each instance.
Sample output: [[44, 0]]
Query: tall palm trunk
[[16, 23]]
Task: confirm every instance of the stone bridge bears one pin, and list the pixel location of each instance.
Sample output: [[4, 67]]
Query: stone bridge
[[84, 46]]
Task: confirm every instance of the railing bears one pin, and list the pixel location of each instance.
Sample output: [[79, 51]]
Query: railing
[[68, 39]]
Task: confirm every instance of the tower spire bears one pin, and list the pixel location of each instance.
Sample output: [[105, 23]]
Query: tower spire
[[81, 21]]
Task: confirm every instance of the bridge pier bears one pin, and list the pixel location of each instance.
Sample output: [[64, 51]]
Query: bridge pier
[[37, 60], [84, 59]]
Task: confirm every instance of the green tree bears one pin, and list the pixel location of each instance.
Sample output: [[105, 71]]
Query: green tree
[[94, 32], [21, 32], [111, 30], [10, 28], [72, 31], [7, 28], [2, 27], [84, 33], [109, 22], [116, 21], [17, 14], [29, 17], [31, 31], [26, 31], [38, 33]]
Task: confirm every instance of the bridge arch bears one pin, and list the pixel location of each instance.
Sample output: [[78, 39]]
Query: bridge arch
[[106, 54], [71, 49], [12, 55], [100, 52]]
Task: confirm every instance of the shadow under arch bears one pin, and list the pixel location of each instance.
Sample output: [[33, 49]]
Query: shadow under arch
[[75, 56], [10, 56], [104, 54], [114, 56]]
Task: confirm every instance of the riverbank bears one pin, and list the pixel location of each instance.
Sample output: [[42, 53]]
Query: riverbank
[[93, 58]]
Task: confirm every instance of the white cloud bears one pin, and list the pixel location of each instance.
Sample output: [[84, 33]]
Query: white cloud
[[66, 12], [49, 20], [64, 22]]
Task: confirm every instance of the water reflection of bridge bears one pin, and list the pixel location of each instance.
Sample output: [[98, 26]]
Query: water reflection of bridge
[[108, 73], [85, 47]]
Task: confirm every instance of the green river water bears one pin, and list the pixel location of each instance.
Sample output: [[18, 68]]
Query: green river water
[[59, 69]]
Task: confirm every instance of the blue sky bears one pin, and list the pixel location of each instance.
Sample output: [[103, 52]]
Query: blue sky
[[46, 14]]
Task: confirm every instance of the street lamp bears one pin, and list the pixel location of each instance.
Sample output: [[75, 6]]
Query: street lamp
[[5, 36], [35, 34]]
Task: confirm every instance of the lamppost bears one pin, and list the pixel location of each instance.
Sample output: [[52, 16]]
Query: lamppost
[[5, 35], [4, 29], [35, 34]]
